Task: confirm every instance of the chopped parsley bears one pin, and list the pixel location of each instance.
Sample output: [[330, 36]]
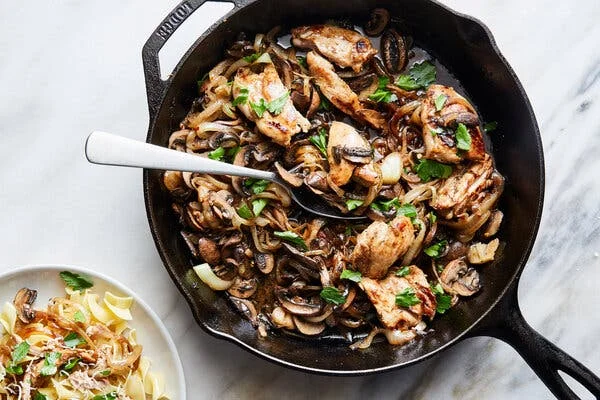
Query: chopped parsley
[[242, 97], [258, 205], [439, 102], [71, 364], [435, 250], [76, 281], [386, 205], [291, 237], [79, 316], [39, 396], [256, 186], [73, 340], [332, 295], [320, 141], [408, 210], [352, 204], [444, 301], [49, 368], [245, 212], [259, 108], [354, 276], [407, 298], [105, 372], [382, 94], [419, 76], [252, 57], [429, 169], [490, 126], [302, 61], [463, 138], [18, 354], [106, 396], [217, 154], [403, 271], [324, 104], [432, 217], [274, 107]]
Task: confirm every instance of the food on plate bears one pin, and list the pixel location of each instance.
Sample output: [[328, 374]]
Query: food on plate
[[79, 347], [374, 128]]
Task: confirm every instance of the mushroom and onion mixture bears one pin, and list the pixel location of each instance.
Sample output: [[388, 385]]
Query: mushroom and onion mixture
[[370, 132]]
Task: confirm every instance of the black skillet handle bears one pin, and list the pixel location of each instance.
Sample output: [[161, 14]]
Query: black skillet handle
[[506, 323], [155, 86]]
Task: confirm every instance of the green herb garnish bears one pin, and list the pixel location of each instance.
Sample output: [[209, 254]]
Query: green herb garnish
[[428, 169], [332, 295], [463, 138], [490, 126], [386, 205], [382, 94], [444, 301], [320, 141], [403, 271], [276, 106], [79, 316], [201, 81], [217, 154], [420, 75], [435, 250], [245, 212], [352, 204], [256, 186], [76, 281], [408, 210], [73, 340], [258, 205], [259, 108], [252, 57], [439, 102], [291, 237], [232, 152], [71, 364], [302, 61], [106, 396], [49, 368], [39, 396], [324, 104], [18, 354], [407, 298], [242, 97], [432, 217], [354, 276], [105, 372]]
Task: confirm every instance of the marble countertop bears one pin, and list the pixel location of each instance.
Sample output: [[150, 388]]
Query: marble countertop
[[68, 67]]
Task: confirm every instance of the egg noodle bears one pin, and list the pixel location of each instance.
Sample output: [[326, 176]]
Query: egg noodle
[[80, 347]]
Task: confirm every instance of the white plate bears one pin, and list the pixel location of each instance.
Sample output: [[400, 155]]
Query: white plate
[[151, 333]]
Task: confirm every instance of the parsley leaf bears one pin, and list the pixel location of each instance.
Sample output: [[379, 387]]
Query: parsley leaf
[[71, 364], [320, 141], [490, 126], [291, 237], [428, 169], [354, 276], [352, 204], [245, 212], [407, 298], [276, 106], [73, 340], [324, 104], [385, 205], [408, 210], [242, 97], [14, 369], [232, 152], [332, 295], [439, 102], [49, 367], [432, 217], [258, 205], [382, 94], [259, 108], [252, 57], [463, 138], [217, 154], [444, 301], [76, 281], [403, 271], [435, 250], [39, 396], [20, 351], [256, 186], [420, 75], [106, 396], [105, 372], [302, 61], [79, 316]]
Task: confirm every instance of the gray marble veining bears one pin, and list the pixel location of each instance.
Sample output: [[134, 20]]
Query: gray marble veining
[[69, 67]]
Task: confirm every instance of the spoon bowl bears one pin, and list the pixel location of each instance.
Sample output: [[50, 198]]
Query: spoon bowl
[[108, 149]]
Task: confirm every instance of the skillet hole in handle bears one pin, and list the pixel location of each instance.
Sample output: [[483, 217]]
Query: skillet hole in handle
[[153, 54]]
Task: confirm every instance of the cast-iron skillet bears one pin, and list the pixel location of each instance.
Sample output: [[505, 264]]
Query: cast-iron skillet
[[467, 48]]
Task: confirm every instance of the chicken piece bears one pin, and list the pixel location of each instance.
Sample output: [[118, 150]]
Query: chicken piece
[[339, 93], [481, 253], [439, 127], [463, 189], [267, 87], [345, 148], [380, 245], [382, 294], [344, 47]]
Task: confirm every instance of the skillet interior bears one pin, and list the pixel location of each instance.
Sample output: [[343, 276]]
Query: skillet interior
[[464, 46]]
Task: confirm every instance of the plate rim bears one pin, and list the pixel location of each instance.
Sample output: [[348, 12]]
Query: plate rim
[[15, 271]]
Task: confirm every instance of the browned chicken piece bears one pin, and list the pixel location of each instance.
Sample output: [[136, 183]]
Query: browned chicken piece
[[344, 47], [463, 189], [339, 93], [380, 245], [345, 149], [439, 127], [382, 294], [267, 87]]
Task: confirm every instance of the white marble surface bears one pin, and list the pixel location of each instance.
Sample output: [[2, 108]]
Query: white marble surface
[[68, 67]]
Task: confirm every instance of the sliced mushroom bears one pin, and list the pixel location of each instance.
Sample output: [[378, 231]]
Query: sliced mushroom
[[209, 251], [458, 278], [264, 261], [297, 305], [287, 176], [493, 224], [357, 155], [378, 21], [299, 256], [23, 301], [317, 181], [462, 117], [308, 328], [243, 288], [281, 319], [175, 184], [481, 253], [345, 146], [394, 51], [247, 308], [223, 139]]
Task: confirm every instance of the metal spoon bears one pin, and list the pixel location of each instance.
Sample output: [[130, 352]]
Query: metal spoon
[[108, 149]]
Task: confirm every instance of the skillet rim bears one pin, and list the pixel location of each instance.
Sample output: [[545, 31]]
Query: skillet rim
[[462, 18]]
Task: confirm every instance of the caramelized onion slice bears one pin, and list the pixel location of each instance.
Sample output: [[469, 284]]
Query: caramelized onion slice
[[206, 274]]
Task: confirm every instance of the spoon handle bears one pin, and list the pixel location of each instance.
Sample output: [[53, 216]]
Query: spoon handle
[[108, 149]]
